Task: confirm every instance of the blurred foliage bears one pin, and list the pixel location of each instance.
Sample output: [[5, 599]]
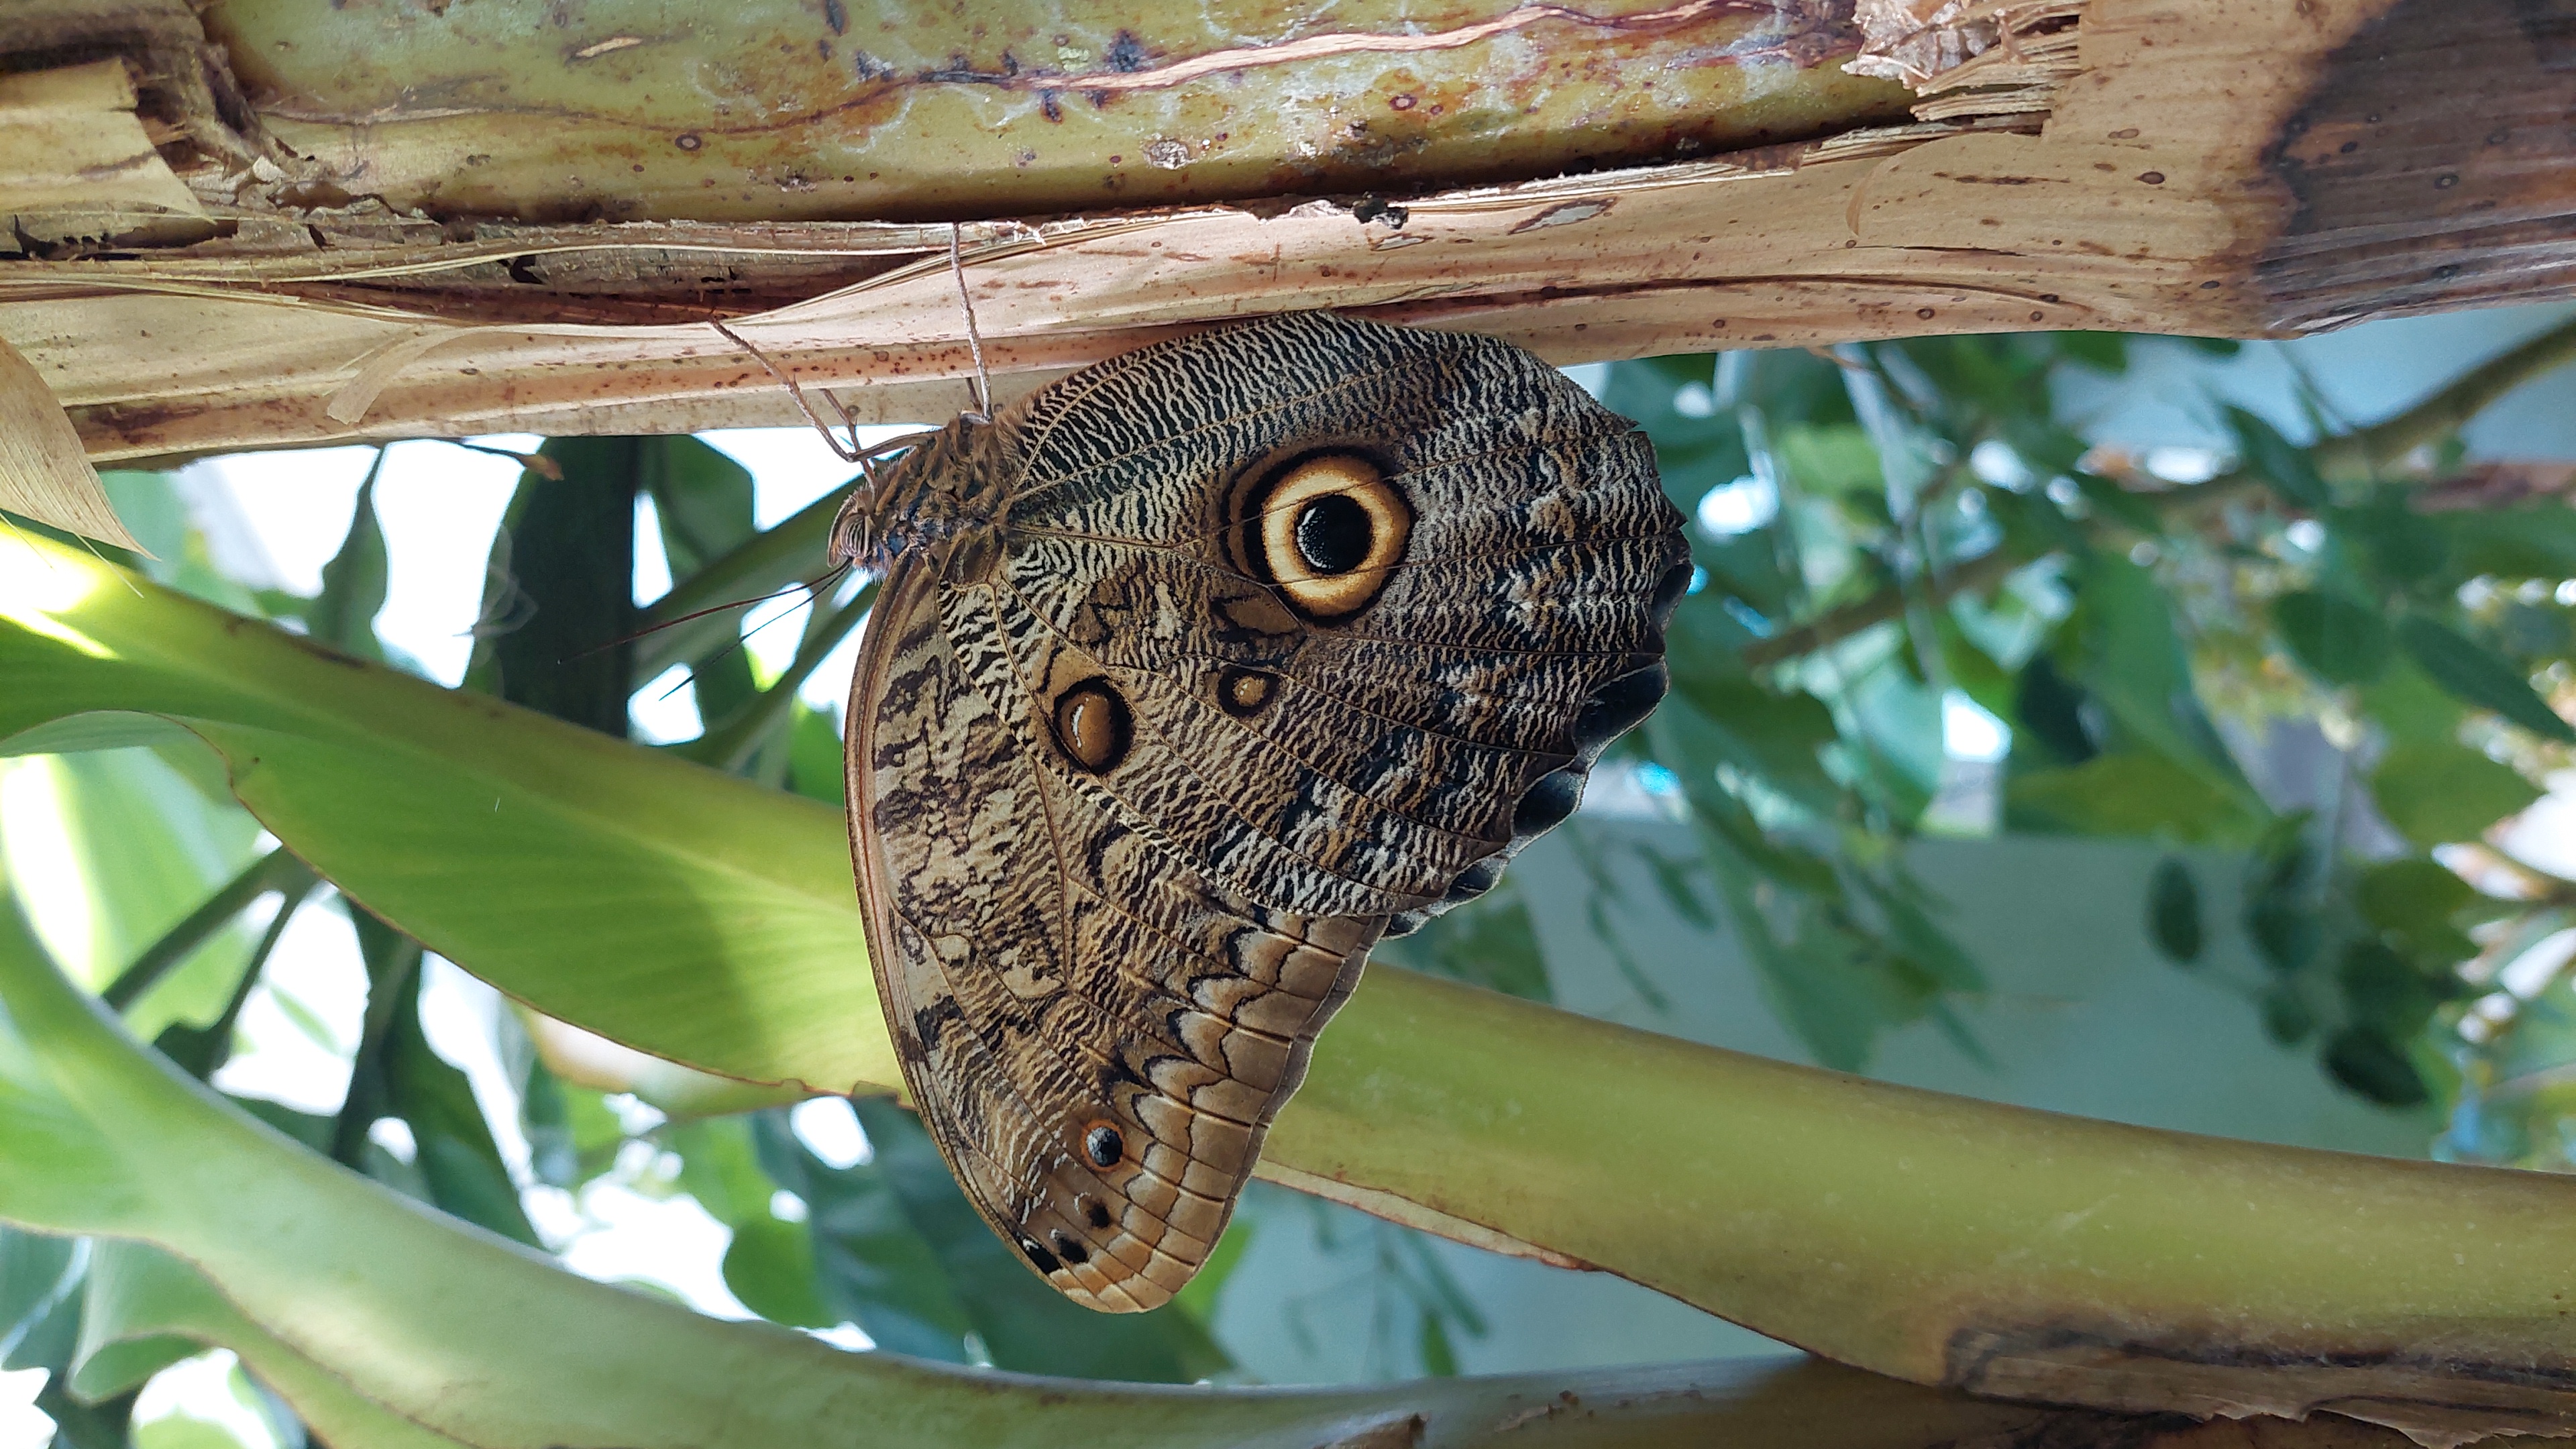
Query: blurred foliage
[[1887, 535]]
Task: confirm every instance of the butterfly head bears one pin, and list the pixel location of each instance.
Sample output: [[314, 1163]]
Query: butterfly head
[[943, 484]]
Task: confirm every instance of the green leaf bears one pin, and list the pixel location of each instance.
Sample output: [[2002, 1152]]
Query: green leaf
[[1199, 1295], [1732, 719], [1828, 460], [562, 573], [2415, 902], [769, 1265], [2102, 351], [1928, 946], [2471, 672], [2048, 712], [40, 1279], [2526, 542], [2287, 1018], [2129, 793], [184, 1431], [873, 1265], [2339, 641], [2374, 1068], [2135, 665], [343, 615], [2173, 911], [2276, 460], [653, 901], [2409, 706], [702, 498], [814, 766], [2384, 994], [703, 501], [2285, 929], [889, 1229], [2435, 791], [1439, 1360], [2400, 546]]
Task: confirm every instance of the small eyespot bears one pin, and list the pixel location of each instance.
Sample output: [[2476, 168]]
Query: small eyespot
[[1044, 1260], [1093, 726], [1242, 692], [1067, 1248], [1103, 1145], [1093, 1210]]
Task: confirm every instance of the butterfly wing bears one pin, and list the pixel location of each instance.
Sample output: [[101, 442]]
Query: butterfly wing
[[1398, 725], [1096, 1040], [1293, 630]]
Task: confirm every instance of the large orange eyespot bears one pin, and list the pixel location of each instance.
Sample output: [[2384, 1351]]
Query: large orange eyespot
[[1328, 527], [1092, 725]]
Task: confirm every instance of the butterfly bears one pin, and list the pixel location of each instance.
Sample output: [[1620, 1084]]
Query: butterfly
[[1191, 676]]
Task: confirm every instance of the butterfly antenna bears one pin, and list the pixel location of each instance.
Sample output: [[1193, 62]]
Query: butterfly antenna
[[849, 452], [815, 590], [820, 585], [974, 341]]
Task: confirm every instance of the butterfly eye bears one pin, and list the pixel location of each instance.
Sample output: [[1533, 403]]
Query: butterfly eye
[[1329, 527], [1103, 1145]]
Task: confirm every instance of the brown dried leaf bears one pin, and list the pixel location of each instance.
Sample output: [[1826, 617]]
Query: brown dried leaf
[[44, 474]]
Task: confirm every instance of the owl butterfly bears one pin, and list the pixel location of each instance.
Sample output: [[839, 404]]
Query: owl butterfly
[[1191, 676]]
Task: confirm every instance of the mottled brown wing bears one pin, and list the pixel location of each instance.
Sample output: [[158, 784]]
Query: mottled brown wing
[[1291, 631], [1379, 740], [1095, 1040]]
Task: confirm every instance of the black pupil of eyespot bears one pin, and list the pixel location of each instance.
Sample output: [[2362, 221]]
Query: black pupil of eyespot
[[1104, 1145], [1333, 534]]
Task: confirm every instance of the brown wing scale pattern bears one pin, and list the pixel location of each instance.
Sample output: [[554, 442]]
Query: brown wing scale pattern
[[1264, 640]]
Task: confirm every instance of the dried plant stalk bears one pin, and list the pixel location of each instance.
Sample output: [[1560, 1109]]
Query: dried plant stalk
[[2145, 165]]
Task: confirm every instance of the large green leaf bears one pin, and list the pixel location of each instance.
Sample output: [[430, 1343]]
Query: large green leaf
[[658, 903]]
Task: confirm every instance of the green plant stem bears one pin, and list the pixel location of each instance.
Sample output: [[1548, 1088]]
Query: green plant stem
[[385, 1325], [278, 870], [211, 1045], [1836, 625]]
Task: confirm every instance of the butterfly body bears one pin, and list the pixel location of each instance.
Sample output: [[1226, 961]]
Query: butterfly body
[[1192, 676]]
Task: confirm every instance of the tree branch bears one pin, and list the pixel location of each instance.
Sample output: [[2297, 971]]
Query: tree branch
[[2365, 450]]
